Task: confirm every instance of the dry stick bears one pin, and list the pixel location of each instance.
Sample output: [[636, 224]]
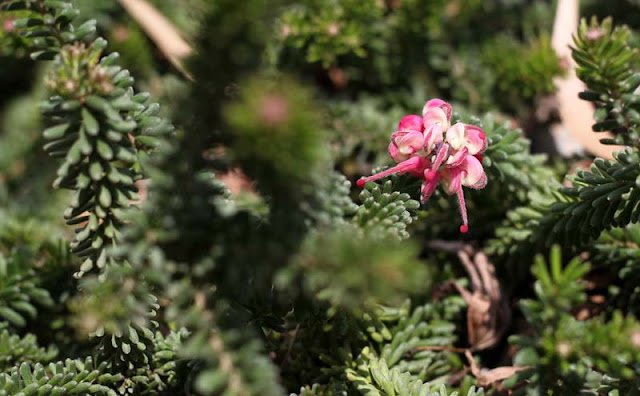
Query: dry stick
[[293, 339], [440, 348], [161, 32], [576, 114]]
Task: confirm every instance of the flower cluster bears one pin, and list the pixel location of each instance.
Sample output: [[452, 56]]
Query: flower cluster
[[431, 148]]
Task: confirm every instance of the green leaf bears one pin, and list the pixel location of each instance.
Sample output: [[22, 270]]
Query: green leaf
[[90, 123]]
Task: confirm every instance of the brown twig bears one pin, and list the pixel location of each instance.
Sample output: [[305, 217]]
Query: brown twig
[[293, 339], [161, 31], [576, 114], [488, 314], [487, 378], [439, 348]]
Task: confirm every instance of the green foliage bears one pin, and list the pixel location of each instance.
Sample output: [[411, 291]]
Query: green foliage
[[275, 129], [377, 269], [385, 211], [93, 108], [447, 47], [70, 376], [602, 198], [605, 196], [521, 71], [618, 251], [19, 291], [328, 30], [237, 366], [378, 379], [508, 159], [564, 352], [15, 349]]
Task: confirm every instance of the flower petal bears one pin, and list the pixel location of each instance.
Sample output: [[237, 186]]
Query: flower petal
[[411, 123], [476, 139], [451, 179], [457, 157], [437, 116], [472, 173], [396, 154], [432, 136], [438, 103], [455, 136], [429, 185], [408, 142]]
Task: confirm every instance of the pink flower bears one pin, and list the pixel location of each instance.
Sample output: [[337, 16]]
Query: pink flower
[[408, 139], [404, 144], [411, 123], [434, 150], [461, 136], [468, 173], [437, 110]]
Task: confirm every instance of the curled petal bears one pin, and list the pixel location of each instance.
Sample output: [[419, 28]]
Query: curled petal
[[472, 173], [457, 157], [452, 182], [440, 104], [408, 142], [433, 135], [451, 179], [411, 123], [437, 116], [396, 154], [476, 139], [470, 136], [456, 136], [429, 185]]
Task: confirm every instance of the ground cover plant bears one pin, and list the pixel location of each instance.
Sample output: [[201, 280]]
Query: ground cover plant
[[322, 198]]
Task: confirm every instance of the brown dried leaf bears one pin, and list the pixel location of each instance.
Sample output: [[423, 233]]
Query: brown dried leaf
[[487, 378]]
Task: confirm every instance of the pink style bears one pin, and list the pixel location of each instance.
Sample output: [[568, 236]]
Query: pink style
[[431, 148]]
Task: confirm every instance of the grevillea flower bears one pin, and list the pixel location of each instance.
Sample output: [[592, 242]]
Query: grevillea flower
[[431, 148]]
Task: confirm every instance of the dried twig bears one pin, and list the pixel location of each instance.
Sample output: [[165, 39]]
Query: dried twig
[[576, 114], [487, 378], [161, 32], [488, 313]]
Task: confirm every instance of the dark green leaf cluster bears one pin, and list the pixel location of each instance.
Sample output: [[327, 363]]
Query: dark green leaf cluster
[[161, 373], [606, 196], [385, 267], [508, 160], [68, 377], [334, 204], [236, 364], [15, 350], [522, 70], [618, 250], [385, 211], [602, 198], [326, 30], [20, 291], [377, 379], [427, 326], [93, 111], [564, 355]]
